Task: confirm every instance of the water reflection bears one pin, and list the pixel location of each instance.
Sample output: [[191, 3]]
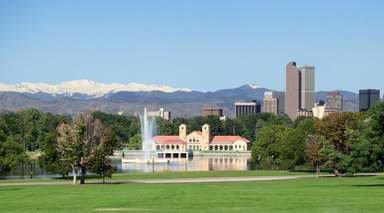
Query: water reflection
[[206, 163], [202, 163], [30, 170]]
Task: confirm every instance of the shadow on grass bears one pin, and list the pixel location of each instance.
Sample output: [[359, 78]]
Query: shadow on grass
[[9, 189], [368, 185]]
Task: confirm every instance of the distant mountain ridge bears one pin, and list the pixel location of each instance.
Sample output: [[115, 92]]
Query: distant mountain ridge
[[84, 87], [85, 95]]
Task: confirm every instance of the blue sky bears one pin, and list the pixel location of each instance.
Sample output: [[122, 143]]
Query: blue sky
[[202, 45]]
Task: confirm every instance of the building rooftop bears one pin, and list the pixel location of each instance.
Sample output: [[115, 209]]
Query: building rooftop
[[228, 138], [168, 139]]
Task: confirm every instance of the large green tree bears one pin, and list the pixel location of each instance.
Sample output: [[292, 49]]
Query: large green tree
[[337, 132], [80, 144], [12, 154], [368, 148]]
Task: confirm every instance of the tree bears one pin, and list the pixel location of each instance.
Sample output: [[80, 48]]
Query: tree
[[12, 155], [79, 143], [337, 131], [100, 163], [267, 147], [50, 158], [135, 142], [368, 148], [70, 147]]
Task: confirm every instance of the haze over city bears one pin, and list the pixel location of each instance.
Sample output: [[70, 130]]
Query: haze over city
[[201, 45]]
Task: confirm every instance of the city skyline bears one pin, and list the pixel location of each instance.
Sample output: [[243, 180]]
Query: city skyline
[[157, 42]]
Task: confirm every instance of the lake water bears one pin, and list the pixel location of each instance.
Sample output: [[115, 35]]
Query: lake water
[[197, 163], [202, 163]]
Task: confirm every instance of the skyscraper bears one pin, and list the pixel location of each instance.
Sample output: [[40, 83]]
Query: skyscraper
[[300, 89], [271, 103], [334, 101], [307, 87], [212, 111], [247, 108], [293, 90], [281, 98], [368, 98]]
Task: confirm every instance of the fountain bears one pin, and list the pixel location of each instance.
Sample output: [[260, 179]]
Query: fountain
[[148, 128]]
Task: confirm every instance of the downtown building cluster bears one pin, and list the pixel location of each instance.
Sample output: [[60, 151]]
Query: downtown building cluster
[[298, 99]]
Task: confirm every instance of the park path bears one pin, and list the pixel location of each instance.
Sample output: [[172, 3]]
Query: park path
[[159, 181], [175, 180]]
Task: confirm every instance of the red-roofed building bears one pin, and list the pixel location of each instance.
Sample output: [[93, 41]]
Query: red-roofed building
[[199, 141]]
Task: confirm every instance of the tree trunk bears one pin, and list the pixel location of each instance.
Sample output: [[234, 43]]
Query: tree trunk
[[336, 171], [82, 177], [74, 176]]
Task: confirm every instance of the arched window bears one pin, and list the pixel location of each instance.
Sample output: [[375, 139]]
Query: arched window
[[158, 147], [172, 147], [167, 147], [177, 147]]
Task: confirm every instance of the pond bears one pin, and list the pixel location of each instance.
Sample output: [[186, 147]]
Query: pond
[[197, 163]]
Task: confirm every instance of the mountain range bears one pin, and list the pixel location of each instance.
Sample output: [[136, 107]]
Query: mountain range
[[79, 96]]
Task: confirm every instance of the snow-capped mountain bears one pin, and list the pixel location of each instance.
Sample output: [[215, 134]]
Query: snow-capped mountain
[[85, 87], [254, 86]]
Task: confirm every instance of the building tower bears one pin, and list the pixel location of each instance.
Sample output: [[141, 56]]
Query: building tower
[[271, 103], [206, 132], [368, 98], [334, 101], [183, 132], [293, 90], [247, 108], [307, 87]]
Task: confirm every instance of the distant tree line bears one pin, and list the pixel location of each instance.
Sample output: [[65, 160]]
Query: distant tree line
[[344, 142]]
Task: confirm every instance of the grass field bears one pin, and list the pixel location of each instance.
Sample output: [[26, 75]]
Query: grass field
[[203, 174], [315, 195]]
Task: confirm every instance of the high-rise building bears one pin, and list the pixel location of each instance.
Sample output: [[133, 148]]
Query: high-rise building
[[293, 90], [300, 90], [334, 101], [271, 103], [281, 97], [368, 98], [307, 87], [247, 108], [166, 115], [212, 111]]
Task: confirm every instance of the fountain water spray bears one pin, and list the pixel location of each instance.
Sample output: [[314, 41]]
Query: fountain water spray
[[148, 127]]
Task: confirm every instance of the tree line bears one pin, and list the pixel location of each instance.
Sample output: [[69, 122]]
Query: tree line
[[342, 142]]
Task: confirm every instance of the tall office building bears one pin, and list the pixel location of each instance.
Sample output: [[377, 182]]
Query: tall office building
[[166, 115], [300, 89], [368, 98], [271, 103], [293, 90], [247, 108], [307, 87], [212, 111], [281, 97], [334, 101]]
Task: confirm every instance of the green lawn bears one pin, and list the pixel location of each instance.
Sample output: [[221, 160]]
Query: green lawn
[[204, 174], [314, 195]]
